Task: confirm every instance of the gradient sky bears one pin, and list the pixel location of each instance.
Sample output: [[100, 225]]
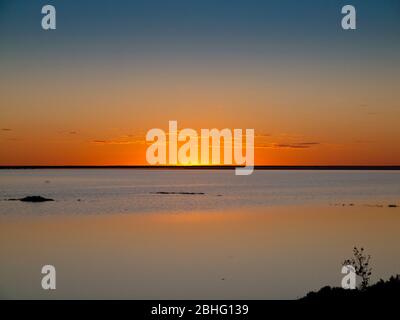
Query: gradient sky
[[86, 93]]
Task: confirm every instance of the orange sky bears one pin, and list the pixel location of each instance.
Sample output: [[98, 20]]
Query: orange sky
[[100, 117], [87, 96], [88, 120], [84, 107]]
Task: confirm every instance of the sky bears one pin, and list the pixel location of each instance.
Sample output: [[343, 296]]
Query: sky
[[87, 92]]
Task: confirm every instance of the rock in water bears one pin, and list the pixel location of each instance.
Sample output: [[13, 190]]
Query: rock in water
[[173, 192], [35, 199]]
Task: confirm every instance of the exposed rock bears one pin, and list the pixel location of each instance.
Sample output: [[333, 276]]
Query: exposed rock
[[186, 193], [32, 199]]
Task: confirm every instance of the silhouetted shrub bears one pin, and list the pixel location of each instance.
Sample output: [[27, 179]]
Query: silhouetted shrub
[[381, 291], [360, 263]]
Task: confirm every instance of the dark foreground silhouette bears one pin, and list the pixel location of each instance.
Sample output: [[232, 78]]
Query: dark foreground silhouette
[[32, 199], [172, 192], [382, 290]]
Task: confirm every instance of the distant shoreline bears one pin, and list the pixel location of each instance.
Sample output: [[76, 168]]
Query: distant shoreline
[[344, 167]]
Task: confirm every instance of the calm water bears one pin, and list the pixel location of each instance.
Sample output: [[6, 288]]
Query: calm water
[[119, 191], [272, 235]]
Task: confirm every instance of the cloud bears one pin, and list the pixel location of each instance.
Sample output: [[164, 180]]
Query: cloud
[[118, 142], [262, 135], [138, 135], [364, 141], [6, 129], [297, 145]]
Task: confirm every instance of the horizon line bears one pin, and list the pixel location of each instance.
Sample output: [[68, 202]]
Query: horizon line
[[209, 167]]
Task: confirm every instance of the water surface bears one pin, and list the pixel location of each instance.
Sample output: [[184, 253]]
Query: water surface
[[273, 235]]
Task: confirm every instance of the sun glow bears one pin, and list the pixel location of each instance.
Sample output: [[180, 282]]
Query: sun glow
[[186, 147]]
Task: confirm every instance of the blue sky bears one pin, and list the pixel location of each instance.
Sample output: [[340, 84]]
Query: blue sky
[[206, 26]]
